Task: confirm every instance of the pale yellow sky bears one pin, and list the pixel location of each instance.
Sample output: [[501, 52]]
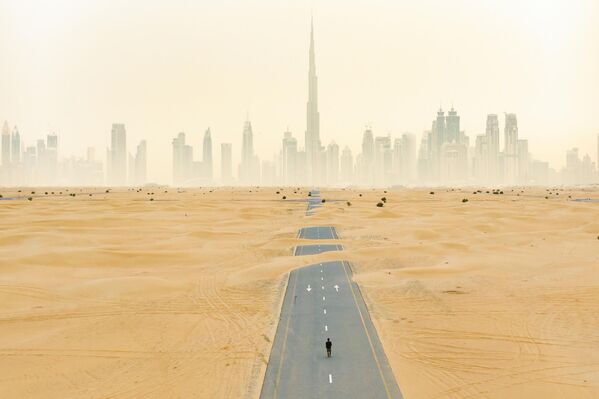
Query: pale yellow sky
[[160, 67]]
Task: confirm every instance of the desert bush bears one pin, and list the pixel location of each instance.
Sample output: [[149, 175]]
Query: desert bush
[[432, 193], [384, 199], [323, 201], [284, 197], [348, 203], [380, 204], [465, 200], [30, 198]]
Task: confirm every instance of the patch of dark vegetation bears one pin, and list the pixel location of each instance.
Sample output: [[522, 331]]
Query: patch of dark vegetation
[[323, 201], [432, 193], [30, 198], [284, 197], [384, 199], [380, 204], [349, 204], [465, 200]]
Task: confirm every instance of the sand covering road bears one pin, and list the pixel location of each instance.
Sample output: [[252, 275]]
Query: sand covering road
[[116, 296]]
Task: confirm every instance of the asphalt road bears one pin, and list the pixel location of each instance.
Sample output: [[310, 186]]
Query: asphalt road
[[321, 301], [318, 233]]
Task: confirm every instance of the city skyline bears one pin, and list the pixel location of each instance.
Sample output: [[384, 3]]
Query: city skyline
[[265, 145]]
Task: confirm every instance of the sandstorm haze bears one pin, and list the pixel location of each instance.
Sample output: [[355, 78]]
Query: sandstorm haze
[[75, 68]]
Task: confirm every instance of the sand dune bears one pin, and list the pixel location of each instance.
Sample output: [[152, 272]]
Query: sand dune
[[116, 296]]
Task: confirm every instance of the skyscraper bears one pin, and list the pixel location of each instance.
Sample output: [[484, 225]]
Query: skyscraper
[[249, 168], [15, 146], [117, 155], [347, 166], [226, 163], [312, 137], [452, 126], [510, 152], [182, 160], [5, 144], [141, 163], [52, 158], [207, 156], [492, 143], [289, 159], [366, 168], [332, 163]]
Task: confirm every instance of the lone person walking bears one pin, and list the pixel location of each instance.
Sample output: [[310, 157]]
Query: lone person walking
[[328, 345]]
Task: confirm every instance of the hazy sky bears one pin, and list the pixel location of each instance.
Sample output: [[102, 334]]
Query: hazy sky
[[160, 67]]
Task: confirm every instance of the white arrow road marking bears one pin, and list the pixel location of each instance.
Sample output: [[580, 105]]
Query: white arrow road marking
[[321, 270], [322, 287], [322, 278], [330, 378], [323, 298], [308, 289], [336, 287], [326, 328], [325, 311]]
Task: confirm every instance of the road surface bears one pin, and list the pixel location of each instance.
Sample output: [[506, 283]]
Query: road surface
[[318, 233], [322, 302]]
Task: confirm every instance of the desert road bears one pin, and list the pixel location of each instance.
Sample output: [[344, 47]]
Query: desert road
[[322, 302], [318, 233]]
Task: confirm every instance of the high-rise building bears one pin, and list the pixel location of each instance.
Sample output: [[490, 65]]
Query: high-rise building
[[249, 168], [117, 156], [510, 152], [407, 158], [347, 166], [51, 159], [182, 160], [492, 142], [289, 159], [332, 163], [454, 163], [5, 144], [226, 163], [312, 136], [366, 167], [141, 163], [523, 162], [207, 156], [382, 161], [480, 163], [15, 146], [452, 127]]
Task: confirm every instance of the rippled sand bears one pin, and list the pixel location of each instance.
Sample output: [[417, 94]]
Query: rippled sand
[[116, 296]]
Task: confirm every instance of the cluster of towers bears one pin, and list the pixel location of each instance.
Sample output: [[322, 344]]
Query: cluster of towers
[[445, 157], [28, 165]]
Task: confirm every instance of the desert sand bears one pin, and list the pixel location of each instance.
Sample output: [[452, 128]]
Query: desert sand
[[116, 296]]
